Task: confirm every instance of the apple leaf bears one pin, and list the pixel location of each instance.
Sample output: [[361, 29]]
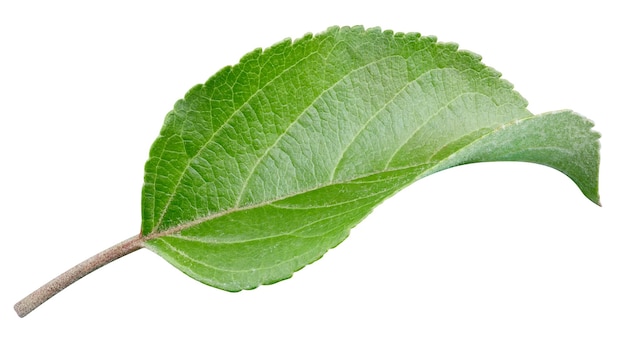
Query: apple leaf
[[271, 162]]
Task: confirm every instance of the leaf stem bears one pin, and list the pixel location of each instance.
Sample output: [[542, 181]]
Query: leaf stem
[[39, 296]]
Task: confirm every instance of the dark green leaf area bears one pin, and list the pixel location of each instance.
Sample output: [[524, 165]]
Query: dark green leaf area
[[265, 244]]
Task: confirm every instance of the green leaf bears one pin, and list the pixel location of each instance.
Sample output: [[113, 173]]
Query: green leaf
[[271, 162]]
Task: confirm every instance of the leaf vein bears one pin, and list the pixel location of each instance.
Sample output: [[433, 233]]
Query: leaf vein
[[296, 120], [216, 132], [428, 120]]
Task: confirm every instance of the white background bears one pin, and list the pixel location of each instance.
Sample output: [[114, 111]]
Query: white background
[[498, 249]]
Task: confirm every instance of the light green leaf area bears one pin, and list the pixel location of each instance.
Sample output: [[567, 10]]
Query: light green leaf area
[[271, 162]]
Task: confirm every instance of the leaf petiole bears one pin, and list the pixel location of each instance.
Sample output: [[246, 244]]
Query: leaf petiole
[[45, 292]]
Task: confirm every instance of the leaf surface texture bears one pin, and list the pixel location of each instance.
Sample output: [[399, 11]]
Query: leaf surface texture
[[271, 162]]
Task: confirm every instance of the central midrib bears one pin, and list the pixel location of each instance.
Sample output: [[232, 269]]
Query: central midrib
[[434, 167], [192, 223]]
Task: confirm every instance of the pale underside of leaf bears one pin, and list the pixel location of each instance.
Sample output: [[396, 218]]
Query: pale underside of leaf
[[269, 164]]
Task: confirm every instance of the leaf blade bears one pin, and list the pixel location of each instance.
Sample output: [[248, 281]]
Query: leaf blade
[[246, 185]]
